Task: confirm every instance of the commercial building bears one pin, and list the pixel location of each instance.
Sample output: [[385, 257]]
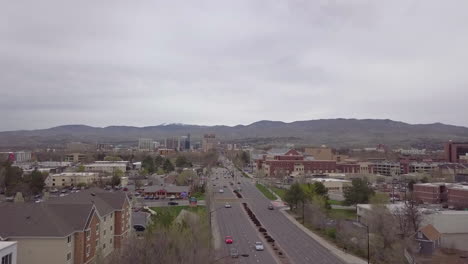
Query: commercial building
[[106, 166], [8, 252], [75, 157], [387, 168], [292, 162], [172, 143], [453, 151], [70, 229], [450, 224], [145, 144], [164, 191], [67, 179], [17, 156], [422, 167], [209, 142]]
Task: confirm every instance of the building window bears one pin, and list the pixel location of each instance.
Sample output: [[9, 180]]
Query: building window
[[69, 239], [110, 241], [110, 228], [7, 259], [97, 229], [88, 250], [88, 234], [53, 179], [104, 245], [68, 256], [63, 179], [111, 215], [104, 218], [53, 184], [104, 232]]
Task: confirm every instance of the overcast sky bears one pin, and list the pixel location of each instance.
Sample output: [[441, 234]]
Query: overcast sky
[[234, 62]]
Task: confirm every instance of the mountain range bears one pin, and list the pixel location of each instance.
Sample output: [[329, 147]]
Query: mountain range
[[333, 132]]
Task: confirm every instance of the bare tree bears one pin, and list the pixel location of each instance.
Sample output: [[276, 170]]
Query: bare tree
[[408, 218], [386, 245], [188, 242]]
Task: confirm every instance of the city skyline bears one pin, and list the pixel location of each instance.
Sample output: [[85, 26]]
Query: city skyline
[[212, 63]]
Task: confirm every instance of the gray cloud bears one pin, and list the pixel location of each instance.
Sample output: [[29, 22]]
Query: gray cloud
[[229, 62]]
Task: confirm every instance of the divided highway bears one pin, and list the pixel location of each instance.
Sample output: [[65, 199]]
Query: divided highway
[[234, 222], [300, 247]]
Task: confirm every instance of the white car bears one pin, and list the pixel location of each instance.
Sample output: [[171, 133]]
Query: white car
[[221, 191], [258, 246], [227, 205]]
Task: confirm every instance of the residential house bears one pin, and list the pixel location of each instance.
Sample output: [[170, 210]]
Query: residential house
[[429, 239]]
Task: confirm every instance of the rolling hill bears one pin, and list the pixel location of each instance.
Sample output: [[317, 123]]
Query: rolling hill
[[333, 132]]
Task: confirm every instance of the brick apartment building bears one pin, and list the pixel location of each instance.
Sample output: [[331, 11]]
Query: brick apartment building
[[70, 229], [430, 192], [453, 151], [457, 196]]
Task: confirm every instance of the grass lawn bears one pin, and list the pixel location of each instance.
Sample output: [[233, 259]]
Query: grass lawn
[[335, 202], [166, 215], [265, 192], [342, 214], [279, 192], [199, 196]]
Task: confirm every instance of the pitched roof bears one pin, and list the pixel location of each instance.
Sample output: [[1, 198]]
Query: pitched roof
[[105, 201], [430, 232], [42, 219]]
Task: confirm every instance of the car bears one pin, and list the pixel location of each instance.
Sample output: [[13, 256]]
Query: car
[[234, 253], [228, 239], [173, 203], [221, 190], [258, 246], [238, 182], [227, 205], [270, 207]]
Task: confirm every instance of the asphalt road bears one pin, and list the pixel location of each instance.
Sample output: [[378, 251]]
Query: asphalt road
[[299, 247], [234, 222]]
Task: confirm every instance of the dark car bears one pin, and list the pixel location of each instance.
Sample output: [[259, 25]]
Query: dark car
[[173, 203], [270, 207]]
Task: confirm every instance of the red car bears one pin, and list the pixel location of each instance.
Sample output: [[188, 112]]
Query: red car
[[228, 240]]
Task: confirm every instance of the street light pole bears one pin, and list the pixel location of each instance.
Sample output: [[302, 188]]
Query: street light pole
[[368, 245]]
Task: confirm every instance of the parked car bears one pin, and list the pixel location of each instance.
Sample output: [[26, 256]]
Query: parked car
[[258, 246], [227, 205], [221, 191], [270, 207], [234, 253], [228, 240], [173, 203]]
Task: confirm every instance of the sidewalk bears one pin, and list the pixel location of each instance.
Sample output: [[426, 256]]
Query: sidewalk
[[347, 258]]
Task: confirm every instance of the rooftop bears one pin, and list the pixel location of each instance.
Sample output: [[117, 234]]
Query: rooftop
[[6, 244], [42, 219]]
